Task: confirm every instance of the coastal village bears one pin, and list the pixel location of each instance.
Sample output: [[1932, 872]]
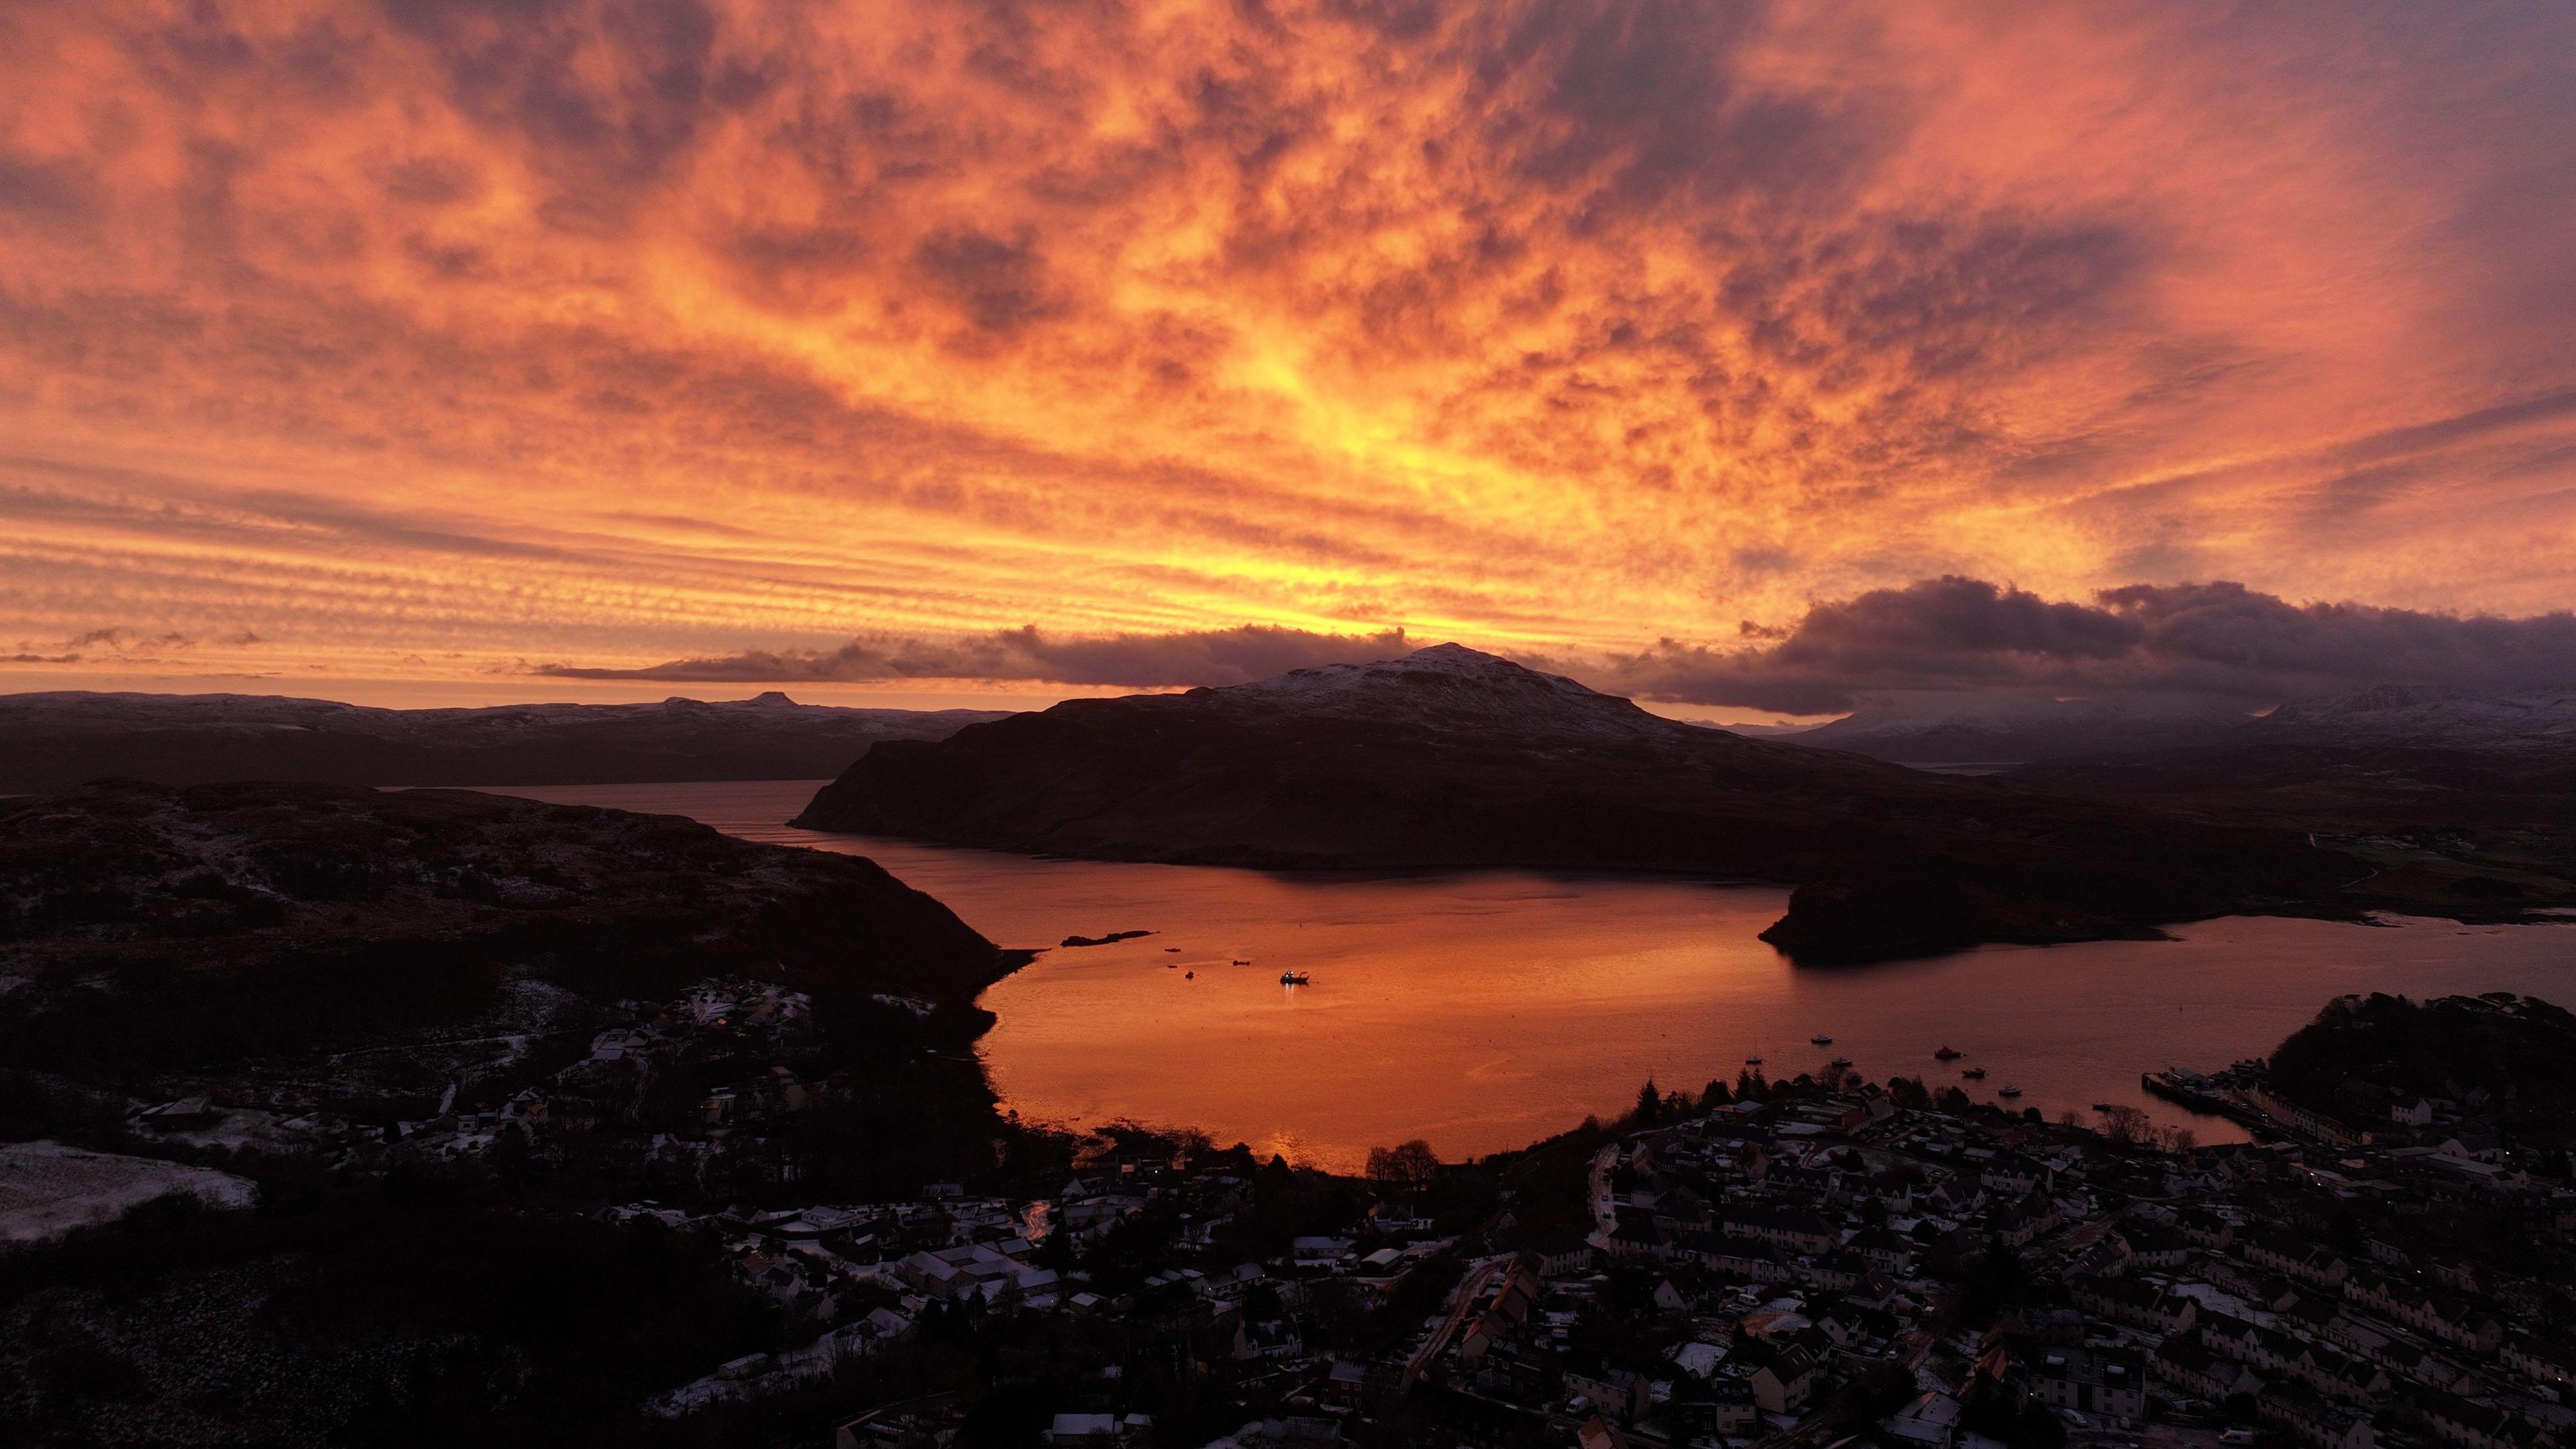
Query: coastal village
[[1812, 1261]]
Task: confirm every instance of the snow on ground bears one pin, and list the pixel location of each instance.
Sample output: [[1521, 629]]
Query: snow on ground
[[48, 1189]]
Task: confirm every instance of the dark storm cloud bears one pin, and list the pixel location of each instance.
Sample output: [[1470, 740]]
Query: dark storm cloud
[[2213, 638]]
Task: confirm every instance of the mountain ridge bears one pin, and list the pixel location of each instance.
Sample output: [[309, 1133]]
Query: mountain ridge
[[1439, 761], [57, 739]]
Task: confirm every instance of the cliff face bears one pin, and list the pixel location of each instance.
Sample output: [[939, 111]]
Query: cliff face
[[1454, 758]]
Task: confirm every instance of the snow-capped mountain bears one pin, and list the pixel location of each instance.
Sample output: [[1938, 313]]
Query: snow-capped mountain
[[2431, 717], [1957, 728], [1447, 686]]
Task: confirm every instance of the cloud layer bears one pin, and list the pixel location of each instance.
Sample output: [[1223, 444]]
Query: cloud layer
[[1133, 661], [630, 330], [2201, 640]]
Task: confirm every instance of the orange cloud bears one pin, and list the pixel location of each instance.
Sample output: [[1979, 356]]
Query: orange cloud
[[633, 330]]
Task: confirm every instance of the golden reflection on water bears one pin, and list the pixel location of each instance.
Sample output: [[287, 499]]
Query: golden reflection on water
[[1483, 1011]]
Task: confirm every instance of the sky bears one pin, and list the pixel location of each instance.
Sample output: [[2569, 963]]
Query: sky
[[1748, 356]]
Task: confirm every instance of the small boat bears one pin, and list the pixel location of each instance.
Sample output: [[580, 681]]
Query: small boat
[[1948, 1053], [2007, 1090], [1239, 961], [1292, 978], [1974, 1074], [1821, 1039], [1839, 1062], [2101, 1106], [1189, 976], [1753, 1061], [1175, 950]]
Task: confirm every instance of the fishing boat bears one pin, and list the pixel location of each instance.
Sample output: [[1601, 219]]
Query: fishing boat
[[1292, 978], [1974, 1074], [2008, 1090], [1947, 1053]]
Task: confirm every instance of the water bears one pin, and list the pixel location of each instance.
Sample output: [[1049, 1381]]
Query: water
[[1484, 1010]]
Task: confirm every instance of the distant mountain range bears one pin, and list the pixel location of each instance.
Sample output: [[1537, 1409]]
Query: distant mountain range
[[2011, 729], [2430, 717], [1960, 728], [2406, 761], [55, 740], [1450, 758]]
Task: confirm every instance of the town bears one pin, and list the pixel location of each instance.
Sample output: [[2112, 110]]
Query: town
[[1808, 1261]]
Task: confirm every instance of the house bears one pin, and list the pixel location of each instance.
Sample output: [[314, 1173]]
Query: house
[[1346, 1384], [2205, 1229], [1883, 1250], [1098, 1429], [1791, 1228], [2540, 1361], [2472, 1147], [1562, 1254], [1638, 1238], [2313, 1420], [2157, 1248], [1931, 1421], [2455, 1420], [2311, 1263], [2184, 1363], [898, 1429], [1740, 1257], [2089, 1381], [1699, 1360], [1783, 1385], [2019, 1223], [2139, 1305], [1732, 1409], [187, 1114], [1622, 1394]]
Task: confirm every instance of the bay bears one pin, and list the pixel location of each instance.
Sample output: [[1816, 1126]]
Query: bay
[[1482, 1010]]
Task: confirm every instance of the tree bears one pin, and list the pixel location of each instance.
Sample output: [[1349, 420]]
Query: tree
[[1410, 1165], [1715, 1096], [1650, 1103]]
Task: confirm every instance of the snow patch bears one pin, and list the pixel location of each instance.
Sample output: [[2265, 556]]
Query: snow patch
[[48, 1189]]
